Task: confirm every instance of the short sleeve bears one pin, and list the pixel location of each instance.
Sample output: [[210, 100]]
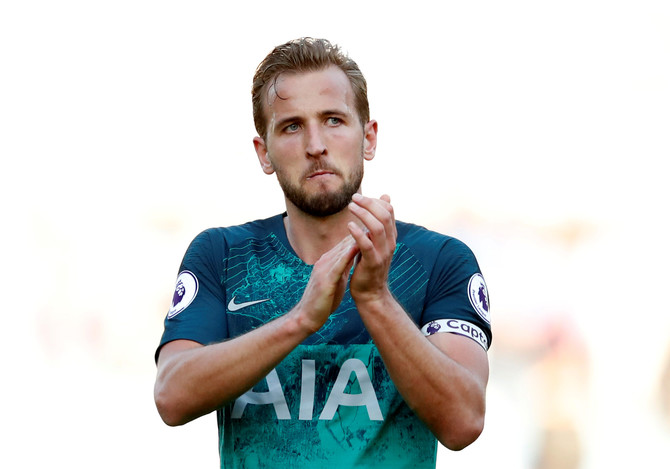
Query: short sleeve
[[197, 311], [457, 298]]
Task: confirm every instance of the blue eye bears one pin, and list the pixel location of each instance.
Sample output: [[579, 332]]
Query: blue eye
[[292, 128], [334, 120]]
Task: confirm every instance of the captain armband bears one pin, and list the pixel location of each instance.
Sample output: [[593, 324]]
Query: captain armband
[[457, 326]]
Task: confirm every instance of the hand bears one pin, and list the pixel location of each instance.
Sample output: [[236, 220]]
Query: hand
[[327, 284], [376, 243]]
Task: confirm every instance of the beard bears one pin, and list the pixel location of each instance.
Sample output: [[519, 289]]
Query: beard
[[323, 203]]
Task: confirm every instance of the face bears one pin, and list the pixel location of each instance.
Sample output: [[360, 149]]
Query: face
[[315, 142]]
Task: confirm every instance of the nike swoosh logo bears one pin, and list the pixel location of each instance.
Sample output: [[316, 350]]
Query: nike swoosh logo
[[232, 306]]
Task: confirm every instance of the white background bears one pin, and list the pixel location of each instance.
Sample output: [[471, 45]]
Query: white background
[[537, 132]]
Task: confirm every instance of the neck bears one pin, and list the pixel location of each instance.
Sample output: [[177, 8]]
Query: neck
[[310, 236]]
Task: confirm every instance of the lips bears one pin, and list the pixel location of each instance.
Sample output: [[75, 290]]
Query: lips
[[320, 172]]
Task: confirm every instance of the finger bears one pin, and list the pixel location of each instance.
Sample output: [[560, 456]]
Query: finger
[[371, 226], [380, 208], [339, 257], [387, 199], [360, 236], [370, 253], [376, 215]]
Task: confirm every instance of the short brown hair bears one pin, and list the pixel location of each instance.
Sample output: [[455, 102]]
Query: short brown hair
[[306, 55]]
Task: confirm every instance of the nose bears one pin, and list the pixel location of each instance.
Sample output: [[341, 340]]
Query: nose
[[315, 145]]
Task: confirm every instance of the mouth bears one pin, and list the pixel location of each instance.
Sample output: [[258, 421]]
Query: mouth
[[320, 173]]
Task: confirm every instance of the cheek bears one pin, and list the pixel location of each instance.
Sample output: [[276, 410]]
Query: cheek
[[288, 146], [354, 149], [346, 141], [281, 154]]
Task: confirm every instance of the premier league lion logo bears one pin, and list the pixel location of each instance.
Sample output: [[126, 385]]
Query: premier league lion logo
[[433, 328], [184, 293], [179, 291], [479, 296]]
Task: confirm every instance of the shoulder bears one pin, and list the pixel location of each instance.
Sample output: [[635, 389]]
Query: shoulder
[[424, 242], [230, 234], [214, 243]]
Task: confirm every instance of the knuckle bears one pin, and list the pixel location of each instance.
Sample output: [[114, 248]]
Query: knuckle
[[378, 230]]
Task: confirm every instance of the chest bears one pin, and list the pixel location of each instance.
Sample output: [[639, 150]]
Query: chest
[[262, 280]]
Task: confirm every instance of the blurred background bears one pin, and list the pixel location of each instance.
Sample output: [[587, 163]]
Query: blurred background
[[536, 132]]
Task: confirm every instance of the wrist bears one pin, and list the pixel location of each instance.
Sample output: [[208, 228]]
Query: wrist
[[376, 302], [301, 323]]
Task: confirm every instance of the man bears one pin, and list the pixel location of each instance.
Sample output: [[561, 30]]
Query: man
[[317, 335]]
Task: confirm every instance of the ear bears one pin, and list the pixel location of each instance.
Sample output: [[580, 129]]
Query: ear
[[262, 153], [370, 145]]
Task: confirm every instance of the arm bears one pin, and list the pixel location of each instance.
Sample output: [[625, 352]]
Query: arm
[[194, 380], [442, 378]]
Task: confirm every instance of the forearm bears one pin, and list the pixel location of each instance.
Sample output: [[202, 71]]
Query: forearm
[[445, 394], [198, 380]]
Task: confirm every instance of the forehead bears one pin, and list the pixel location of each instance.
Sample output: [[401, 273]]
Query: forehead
[[310, 91]]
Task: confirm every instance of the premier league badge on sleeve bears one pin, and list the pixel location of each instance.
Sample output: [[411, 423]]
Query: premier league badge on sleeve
[[479, 296], [184, 293]]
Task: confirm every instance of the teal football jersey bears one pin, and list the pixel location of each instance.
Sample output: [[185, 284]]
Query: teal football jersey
[[331, 401]]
